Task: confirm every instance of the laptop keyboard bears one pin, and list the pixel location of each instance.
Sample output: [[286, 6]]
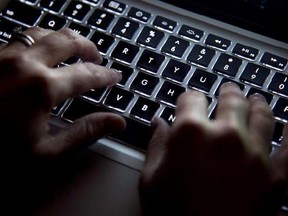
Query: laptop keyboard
[[159, 58]]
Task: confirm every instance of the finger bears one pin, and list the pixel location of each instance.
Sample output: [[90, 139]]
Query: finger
[[261, 123], [156, 149], [191, 107], [63, 44], [81, 134], [232, 106], [36, 33], [80, 78]]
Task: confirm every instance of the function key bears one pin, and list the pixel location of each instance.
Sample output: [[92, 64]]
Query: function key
[[217, 42], [100, 19], [274, 61], [114, 6], [53, 5], [246, 52], [150, 37], [139, 15], [164, 23], [18, 11], [93, 2], [125, 28], [191, 33]]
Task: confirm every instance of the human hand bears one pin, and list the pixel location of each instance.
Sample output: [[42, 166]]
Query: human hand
[[31, 85], [201, 167]]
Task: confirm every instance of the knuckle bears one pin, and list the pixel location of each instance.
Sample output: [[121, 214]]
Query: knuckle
[[189, 127], [14, 60]]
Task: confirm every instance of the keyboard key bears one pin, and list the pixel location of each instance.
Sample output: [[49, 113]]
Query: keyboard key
[[93, 2], [217, 42], [176, 70], [18, 11], [245, 52], [273, 61], [77, 10], [150, 61], [169, 93], [225, 80], [227, 65], [191, 33], [80, 29], [150, 37], [57, 109], [255, 74], [144, 109], [53, 22], [53, 5], [164, 23], [100, 19], [280, 110], [125, 71], [132, 135], [125, 52], [118, 99], [279, 84], [94, 95], [114, 6], [267, 96], [144, 83], [175, 46], [6, 29], [201, 56], [278, 133], [31, 1], [102, 41], [125, 28], [202, 80], [168, 115], [139, 15]]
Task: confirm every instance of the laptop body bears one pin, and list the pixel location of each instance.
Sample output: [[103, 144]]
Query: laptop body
[[107, 174]]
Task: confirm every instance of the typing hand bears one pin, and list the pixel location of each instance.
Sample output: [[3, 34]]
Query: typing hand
[[222, 167], [31, 85]]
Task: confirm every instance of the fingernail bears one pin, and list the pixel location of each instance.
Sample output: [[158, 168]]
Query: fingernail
[[257, 97], [118, 74], [228, 84]]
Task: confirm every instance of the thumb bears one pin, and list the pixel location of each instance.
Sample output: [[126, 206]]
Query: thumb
[[82, 133]]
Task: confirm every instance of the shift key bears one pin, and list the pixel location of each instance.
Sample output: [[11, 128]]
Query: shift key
[[22, 13]]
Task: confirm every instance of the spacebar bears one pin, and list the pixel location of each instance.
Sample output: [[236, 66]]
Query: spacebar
[[136, 134]]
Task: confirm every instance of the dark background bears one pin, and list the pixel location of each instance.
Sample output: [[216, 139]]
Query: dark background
[[268, 17]]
